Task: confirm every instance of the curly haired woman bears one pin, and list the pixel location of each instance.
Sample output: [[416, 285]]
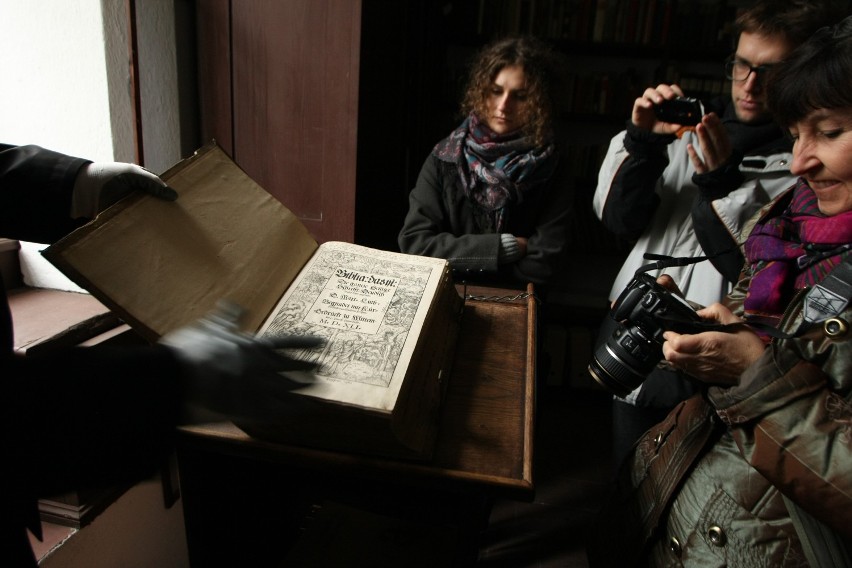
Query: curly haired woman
[[493, 197]]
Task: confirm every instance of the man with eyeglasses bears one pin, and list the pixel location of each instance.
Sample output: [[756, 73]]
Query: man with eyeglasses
[[690, 192]]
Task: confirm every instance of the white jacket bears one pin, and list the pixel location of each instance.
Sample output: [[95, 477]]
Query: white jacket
[[670, 231]]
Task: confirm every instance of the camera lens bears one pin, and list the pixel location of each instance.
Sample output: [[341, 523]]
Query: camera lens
[[622, 362]]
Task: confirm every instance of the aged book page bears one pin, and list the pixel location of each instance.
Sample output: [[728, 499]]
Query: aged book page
[[161, 265], [371, 306]]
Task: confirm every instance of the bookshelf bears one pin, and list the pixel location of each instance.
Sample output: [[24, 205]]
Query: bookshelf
[[696, 24], [414, 60], [674, 35]]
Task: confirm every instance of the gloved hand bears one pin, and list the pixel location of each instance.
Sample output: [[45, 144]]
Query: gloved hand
[[233, 373], [100, 184]]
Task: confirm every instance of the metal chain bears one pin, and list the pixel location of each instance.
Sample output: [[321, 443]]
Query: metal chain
[[522, 296]]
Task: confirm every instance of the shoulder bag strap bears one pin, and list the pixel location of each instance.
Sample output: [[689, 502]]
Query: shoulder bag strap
[[823, 547]]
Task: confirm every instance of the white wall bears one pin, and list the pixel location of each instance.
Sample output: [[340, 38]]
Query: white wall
[[66, 78], [158, 83], [53, 64]]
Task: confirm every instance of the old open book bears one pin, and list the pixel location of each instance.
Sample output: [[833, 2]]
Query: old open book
[[390, 319]]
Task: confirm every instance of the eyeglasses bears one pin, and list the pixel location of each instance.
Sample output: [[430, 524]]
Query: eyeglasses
[[738, 70]]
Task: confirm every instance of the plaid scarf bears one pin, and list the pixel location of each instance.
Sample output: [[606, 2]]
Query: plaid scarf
[[495, 170], [793, 250]]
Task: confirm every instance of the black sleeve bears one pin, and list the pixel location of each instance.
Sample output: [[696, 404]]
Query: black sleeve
[[632, 199], [438, 223], [88, 416], [715, 239], [35, 193], [549, 243]]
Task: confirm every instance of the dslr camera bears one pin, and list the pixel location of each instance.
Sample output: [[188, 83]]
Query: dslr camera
[[643, 311], [685, 111]]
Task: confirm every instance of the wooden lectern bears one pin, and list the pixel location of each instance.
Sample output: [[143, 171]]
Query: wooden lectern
[[254, 503]]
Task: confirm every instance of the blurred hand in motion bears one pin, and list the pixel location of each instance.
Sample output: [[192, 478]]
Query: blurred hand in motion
[[233, 373], [100, 184]]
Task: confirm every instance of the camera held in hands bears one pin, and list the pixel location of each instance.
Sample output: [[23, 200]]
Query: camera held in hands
[[685, 111], [642, 312]]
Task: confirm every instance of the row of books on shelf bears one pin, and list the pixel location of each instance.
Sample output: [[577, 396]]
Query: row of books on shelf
[[699, 24], [588, 234], [611, 95], [584, 160], [602, 94]]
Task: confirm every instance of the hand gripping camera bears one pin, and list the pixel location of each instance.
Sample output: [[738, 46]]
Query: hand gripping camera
[[643, 311]]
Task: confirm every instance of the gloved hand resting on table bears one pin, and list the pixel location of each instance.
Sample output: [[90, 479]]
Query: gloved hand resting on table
[[233, 373], [100, 184]]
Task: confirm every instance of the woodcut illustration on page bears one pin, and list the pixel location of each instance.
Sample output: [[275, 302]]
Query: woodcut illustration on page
[[366, 302]]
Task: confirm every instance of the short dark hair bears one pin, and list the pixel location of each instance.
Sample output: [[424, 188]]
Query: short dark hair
[[796, 20], [817, 75], [541, 69]]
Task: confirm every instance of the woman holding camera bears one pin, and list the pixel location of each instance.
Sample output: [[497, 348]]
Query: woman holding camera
[[689, 194], [756, 471], [492, 197]]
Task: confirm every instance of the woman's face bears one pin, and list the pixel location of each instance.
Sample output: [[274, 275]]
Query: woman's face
[[506, 101], [822, 154]]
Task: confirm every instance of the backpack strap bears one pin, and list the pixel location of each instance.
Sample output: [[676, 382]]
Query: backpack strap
[[831, 296]]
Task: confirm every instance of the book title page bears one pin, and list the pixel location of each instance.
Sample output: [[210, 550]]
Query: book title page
[[367, 303]]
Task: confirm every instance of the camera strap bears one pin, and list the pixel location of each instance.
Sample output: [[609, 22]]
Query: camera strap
[[665, 261], [831, 296], [824, 301]]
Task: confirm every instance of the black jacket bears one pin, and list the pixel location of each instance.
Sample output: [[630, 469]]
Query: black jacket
[[83, 417], [440, 223]]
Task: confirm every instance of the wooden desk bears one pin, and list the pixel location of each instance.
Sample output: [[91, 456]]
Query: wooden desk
[[239, 492]]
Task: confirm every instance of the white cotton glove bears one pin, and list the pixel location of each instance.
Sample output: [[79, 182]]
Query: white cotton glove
[[233, 373], [100, 184]]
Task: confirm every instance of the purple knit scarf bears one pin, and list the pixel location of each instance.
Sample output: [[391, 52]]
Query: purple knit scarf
[[793, 250]]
